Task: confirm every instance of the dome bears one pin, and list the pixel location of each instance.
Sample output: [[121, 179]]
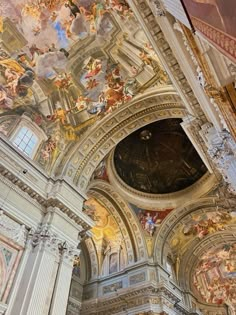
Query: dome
[[158, 159]]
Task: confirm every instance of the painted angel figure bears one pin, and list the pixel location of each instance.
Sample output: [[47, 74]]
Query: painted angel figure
[[93, 67], [91, 83], [149, 225], [81, 103]]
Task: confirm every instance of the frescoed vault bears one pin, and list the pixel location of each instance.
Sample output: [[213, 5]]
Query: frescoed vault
[[69, 64], [215, 275]]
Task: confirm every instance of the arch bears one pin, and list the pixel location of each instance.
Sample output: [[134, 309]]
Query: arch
[[172, 221], [194, 247], [149, 107], [126, 220], [193, 256]]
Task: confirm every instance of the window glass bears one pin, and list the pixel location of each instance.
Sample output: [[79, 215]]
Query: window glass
[[26, 141]]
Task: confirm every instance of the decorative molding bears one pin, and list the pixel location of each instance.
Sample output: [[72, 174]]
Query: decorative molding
[[154, 201], [19, 185], [43, 236], [127, 221], [100, 140], [143, 298], [13, 230], [204, 77], [154, 33], [222, 150], [224, 42]]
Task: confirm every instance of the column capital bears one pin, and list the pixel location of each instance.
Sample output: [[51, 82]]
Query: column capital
[[68, 252], [222, 150]]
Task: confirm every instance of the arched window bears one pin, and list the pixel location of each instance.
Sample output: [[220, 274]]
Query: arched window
[[26, 141]]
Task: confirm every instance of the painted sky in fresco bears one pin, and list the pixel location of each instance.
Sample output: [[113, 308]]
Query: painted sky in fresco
[[66, 64]]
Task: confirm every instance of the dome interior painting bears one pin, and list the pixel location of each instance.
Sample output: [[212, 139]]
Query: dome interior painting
[[158, 159]]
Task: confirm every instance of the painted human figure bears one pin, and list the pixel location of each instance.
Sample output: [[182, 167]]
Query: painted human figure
[[74, 9], [145, 58], [149, 225]]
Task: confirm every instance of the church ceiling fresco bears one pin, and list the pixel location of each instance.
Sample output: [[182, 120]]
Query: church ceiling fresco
[[215, 276], [68, 63], [158, 159], [199, 225], [107, 238], [105, 229], [101, 172], [150, 220]]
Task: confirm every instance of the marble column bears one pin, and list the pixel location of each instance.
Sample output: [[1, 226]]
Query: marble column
[[37, 281], [63, 280]]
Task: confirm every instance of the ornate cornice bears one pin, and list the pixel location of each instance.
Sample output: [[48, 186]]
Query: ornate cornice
[[27, 182], [143, 298], [154, 33], [217, 95]]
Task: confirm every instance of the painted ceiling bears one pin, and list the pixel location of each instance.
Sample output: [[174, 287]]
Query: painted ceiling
[[68, 63], [158, 159], [199, 225], [214, 277]]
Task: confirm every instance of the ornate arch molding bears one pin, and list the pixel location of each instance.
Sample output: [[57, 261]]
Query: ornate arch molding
[[126, 220], [171, 223], [154, 105], [87, 260], [91, 259], [191, 258], [154, 201]]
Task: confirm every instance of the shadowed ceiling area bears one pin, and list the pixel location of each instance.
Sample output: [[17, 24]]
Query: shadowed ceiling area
[[158, 159]]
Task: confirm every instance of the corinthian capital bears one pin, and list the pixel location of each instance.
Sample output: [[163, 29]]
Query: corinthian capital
[[222, 151], [43, 236]]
